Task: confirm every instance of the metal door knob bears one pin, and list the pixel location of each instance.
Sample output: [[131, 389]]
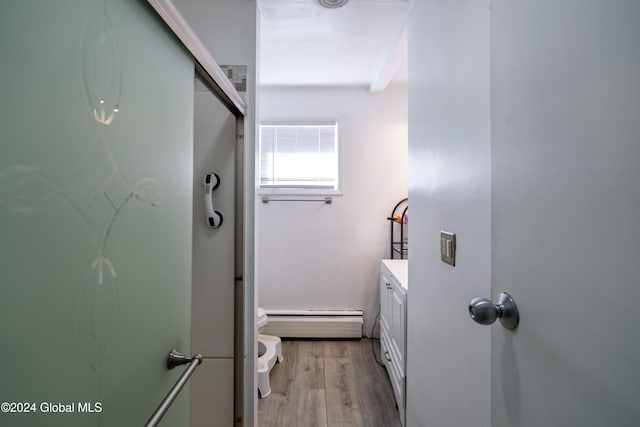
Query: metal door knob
[[485, 312]]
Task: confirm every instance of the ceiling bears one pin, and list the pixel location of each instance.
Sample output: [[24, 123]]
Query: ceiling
[[360, 44]]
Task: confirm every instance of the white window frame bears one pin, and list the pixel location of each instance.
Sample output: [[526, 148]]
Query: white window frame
[[301, 191]]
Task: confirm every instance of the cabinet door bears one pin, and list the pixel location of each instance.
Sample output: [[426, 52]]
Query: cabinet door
[[385, 300], [397, 382], [397, 308]]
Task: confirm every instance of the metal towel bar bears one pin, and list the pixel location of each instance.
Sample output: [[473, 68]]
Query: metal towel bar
[[267, 199], [174, 359]]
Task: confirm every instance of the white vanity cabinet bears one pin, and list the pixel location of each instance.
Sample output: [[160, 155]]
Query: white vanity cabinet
[[393, 325]]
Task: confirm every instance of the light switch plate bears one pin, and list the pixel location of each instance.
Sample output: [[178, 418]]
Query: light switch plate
[[448, 247]]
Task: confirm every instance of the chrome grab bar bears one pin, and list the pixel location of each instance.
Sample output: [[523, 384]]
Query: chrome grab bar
[[174, 359]]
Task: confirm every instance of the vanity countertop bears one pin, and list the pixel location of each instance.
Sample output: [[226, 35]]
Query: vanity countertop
[[399, 268]]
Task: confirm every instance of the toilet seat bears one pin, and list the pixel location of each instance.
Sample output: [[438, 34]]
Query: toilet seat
[[261, 317]]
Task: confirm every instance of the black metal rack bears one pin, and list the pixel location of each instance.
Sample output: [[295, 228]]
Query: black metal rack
[[399, 224]]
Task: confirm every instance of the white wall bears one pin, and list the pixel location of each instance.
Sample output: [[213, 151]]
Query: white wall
[[448, 356], [317, 256]]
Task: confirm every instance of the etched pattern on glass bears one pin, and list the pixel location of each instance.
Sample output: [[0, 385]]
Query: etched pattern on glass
[[94, 189], [101, 70]]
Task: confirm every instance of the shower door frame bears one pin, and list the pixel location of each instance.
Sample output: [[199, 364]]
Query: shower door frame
[[217, 82]]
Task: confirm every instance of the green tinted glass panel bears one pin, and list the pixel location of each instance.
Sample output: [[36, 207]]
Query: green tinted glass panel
[[95, 212]]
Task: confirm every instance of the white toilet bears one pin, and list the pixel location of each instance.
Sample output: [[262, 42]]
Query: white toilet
[[269, 350]]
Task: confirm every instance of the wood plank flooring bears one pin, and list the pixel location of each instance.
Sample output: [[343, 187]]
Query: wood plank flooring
[[329, 384]]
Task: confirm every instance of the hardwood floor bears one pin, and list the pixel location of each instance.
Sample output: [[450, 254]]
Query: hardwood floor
[[329, 384]]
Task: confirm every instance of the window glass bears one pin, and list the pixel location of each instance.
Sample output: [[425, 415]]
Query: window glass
[[300, 156]]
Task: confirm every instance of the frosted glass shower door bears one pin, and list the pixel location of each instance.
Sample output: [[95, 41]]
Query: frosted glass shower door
[[95, 212]]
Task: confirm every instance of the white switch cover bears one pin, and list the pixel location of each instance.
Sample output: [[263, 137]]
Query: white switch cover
[[448, 247]]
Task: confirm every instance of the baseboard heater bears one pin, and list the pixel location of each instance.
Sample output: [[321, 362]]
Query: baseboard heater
[[314, 323]]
